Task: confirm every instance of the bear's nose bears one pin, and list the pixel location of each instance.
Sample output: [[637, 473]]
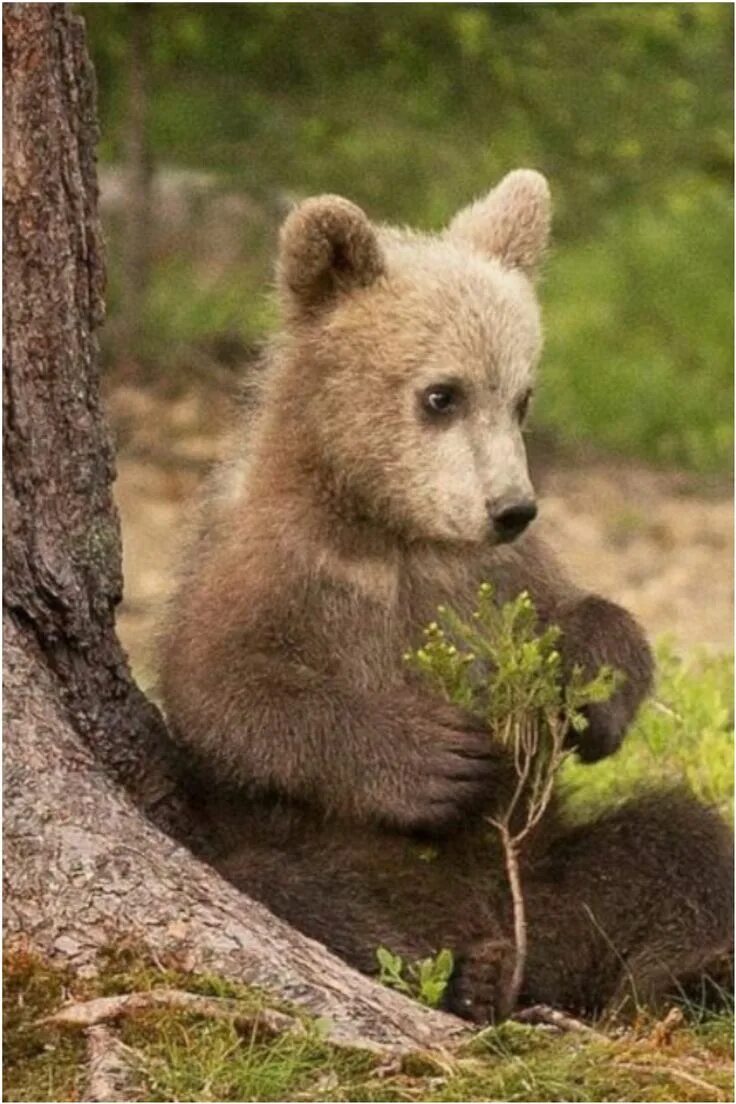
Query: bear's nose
[[509, 521]]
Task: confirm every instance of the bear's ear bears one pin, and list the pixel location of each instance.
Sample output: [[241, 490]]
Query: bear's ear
[[327, 245], [511, 223]]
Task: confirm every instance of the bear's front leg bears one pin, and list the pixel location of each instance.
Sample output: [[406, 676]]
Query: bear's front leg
[[597, 632]]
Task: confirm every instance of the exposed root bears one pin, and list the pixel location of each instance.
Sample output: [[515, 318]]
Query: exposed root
[[545, 1014], [88, 1014], [110, 1075]]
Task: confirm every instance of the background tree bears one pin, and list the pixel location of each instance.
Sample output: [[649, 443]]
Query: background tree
[[139, 165], [95, 823]]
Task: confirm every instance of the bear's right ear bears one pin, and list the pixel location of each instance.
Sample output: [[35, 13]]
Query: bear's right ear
[[511, 223], [327, 245]]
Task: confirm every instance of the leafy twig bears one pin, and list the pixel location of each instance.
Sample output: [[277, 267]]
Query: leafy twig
[[508, 670]]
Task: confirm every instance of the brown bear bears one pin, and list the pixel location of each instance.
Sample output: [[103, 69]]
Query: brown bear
[[380, 470]]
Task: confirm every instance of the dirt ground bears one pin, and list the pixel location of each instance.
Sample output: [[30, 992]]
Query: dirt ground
[[660, 543]]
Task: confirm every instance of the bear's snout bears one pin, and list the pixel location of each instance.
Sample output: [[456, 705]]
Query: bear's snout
[[509, 521]]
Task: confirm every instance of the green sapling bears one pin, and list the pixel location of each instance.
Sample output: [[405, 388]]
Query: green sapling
[[501, 666]]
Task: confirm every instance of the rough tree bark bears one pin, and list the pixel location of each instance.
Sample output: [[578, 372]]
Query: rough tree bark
[[97, 828]]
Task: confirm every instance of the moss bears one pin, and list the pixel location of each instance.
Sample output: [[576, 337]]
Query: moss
[[39, 1063]]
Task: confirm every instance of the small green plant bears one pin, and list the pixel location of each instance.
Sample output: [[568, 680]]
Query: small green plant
[[501, 666], [424, 980]]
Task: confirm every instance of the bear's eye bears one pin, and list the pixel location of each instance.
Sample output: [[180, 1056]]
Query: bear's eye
[[441, 398], [522, 406]]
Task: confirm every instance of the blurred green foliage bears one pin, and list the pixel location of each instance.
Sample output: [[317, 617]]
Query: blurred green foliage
[[639, 331], [412, 109]]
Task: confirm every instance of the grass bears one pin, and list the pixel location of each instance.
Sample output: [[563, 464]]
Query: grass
[[685, 733], [192, 1060], [179, 1056], [38, 1063]]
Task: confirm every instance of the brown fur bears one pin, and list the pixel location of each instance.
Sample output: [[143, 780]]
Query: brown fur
[[326, 545]]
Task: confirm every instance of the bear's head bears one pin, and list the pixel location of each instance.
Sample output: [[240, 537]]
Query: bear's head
[[412, 358]]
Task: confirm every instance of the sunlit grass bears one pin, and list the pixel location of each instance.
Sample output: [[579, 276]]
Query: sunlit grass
[[683, 736]]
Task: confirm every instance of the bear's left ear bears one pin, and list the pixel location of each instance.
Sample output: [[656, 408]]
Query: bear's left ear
[[511, 223], [327, 246]]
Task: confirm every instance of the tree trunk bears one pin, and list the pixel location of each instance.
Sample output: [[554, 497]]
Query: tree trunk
[[96, 823], [61, 537]]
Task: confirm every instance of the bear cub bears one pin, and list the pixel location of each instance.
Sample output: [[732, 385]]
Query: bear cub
[[379, 471]]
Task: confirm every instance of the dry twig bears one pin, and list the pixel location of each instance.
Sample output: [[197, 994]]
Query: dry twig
[[678, 1074]]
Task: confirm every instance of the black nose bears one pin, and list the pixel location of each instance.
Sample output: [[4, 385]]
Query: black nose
[[509, 521]]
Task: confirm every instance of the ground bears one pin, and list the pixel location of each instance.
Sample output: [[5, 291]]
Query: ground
[[163, 1054], [658, 542]]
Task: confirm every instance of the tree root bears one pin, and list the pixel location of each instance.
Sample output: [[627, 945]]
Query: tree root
[[552, 1017], [87, 871], [102, 1010], [110, 1074]]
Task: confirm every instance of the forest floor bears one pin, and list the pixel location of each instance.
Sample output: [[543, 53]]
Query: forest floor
[[164, 1053], [658, 542]]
